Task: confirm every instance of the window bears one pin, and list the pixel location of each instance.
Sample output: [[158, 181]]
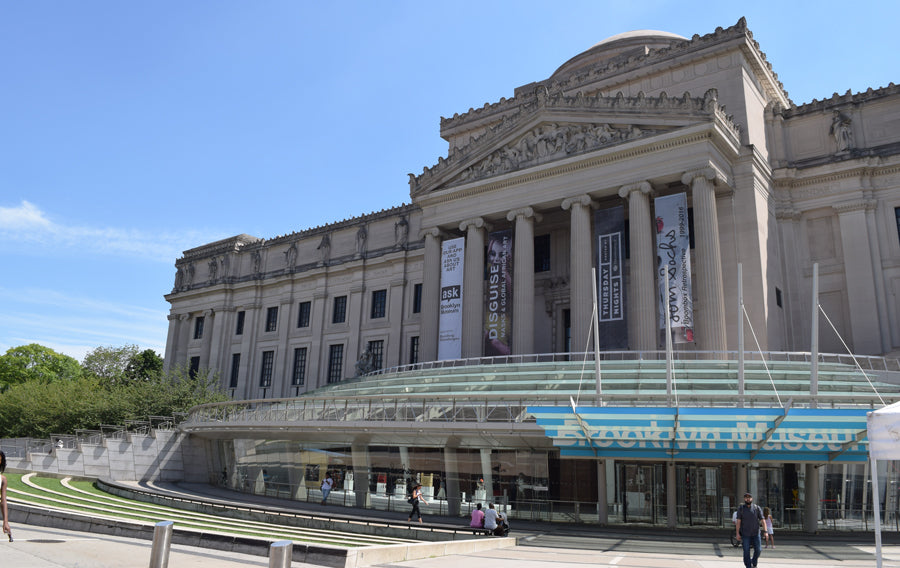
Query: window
[[413, 349], [198, 327], [335, 361], [340, 310], [778, 297], [303, 314], [265, 373], [195, 367], [542, 253], [691, 226], [271, 319], [299, 376], [379, 301], [376, 348], [417, 298], [235, 369], [239, 330], [897, 215]]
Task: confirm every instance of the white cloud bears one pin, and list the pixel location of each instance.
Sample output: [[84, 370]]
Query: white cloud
[[25, 217], [27, 223]]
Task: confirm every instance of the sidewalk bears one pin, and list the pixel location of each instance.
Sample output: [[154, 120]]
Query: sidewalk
[[540, 544]]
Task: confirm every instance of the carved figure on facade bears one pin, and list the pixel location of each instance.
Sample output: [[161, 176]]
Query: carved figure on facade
[[190, 274], [324, 248], [840, 129], [290, 256], [179, 278], [365, 363], [548, 142], [225, 261], [213, 270], [401, 232], [256, 261], [362, 241]]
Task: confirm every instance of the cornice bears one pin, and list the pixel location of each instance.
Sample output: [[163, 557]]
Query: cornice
[[836, 100], [853, 205]]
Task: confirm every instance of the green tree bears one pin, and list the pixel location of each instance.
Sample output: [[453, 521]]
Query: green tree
[[35, 362], [144, 366], [109, 364]]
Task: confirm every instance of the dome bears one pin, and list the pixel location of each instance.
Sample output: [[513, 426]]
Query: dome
[[638, 42]]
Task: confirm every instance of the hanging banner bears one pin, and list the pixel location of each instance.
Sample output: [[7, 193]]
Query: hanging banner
[[450, 321], [673, 253], [498, 294], [609, 234]]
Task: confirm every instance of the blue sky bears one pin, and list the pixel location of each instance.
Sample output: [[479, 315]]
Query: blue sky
[[132, 131]]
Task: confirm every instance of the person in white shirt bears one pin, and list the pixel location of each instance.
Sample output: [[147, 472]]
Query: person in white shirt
[[490, 518]]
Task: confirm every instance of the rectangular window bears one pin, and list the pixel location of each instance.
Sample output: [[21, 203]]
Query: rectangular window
[[198, 327], [299, 376], [376, 348], [195, 367], [417, 298], [897, 215], [239, 329], [542, 253], [303, 314], [265, 372], [235, 369], [413, 349], [379, 302], [335, 362], [778, 297], [271, 319], [340, 310]]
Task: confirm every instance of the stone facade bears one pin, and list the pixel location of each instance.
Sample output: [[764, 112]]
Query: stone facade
[[773, 186]]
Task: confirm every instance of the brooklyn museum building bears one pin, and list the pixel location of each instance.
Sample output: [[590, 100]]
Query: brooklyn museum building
[[629, 292]]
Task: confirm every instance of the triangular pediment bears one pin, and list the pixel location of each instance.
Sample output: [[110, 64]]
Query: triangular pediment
[[551, 127]]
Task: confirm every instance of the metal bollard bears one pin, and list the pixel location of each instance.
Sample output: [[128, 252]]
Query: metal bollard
[[280, 554], [162, 540]]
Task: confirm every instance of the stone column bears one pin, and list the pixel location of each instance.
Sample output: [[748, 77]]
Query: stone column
[[580, 299], [318, 367], [451, 473], [642, 305], [431, 296], [811, 499], [184, 335], [488, 475], [710, 325], [359, 452], [602, 497], [671, 493], [171, 343], [523, 280], [859, 274], [473, 288]]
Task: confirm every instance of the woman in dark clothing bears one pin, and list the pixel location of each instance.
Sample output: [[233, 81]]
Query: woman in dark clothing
[[414, 501]]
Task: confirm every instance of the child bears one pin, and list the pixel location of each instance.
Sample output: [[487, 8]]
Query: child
[[770, 536]]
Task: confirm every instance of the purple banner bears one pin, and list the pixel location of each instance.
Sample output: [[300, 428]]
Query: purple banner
[[498, 294]]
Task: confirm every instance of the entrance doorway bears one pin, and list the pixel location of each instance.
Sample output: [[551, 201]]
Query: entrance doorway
[[699, 494], [640, 492]]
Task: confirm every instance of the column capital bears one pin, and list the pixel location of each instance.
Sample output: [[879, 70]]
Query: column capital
[[432, 232], [642, 186], [208, 313], [524, 212], [477, 222], [584, 200], [708, 173]]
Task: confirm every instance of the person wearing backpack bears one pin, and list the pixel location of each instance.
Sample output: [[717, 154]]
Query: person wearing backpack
[[747, 529]]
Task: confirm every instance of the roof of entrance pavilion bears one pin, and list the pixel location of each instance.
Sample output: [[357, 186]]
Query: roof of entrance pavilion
[[526, 401]]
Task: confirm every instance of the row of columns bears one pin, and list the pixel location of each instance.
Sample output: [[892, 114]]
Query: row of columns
[[642, 303]]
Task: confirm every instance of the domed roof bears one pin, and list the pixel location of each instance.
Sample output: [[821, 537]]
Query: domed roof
[[638, 42]]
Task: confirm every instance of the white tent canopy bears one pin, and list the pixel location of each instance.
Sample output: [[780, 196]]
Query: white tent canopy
[[883, 431]]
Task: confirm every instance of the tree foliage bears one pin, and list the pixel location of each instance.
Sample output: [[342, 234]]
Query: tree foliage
[[37, 407], [36, 363]]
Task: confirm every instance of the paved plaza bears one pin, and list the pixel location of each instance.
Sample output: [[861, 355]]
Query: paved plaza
[[566, 547]]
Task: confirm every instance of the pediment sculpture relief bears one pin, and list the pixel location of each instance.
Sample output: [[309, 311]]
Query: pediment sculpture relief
[[549, 142]]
